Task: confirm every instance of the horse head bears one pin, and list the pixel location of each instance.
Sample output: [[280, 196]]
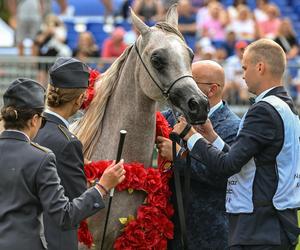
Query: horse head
[[165, 61]]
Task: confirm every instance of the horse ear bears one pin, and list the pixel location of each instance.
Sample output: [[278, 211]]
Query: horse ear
[[139, 24], [172, 16]]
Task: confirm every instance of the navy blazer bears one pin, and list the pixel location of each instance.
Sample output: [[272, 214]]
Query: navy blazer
[[29, 186], [69, 157], [207, 222], [261, 137]]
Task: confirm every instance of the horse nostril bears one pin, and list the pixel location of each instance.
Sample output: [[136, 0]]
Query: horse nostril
[[193, 104]]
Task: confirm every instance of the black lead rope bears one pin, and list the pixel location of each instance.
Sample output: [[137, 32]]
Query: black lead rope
[[164, 92], [181, 207]]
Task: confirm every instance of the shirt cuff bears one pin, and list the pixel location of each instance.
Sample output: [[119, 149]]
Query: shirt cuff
[[192, 140], [219, 143], [99, 192]]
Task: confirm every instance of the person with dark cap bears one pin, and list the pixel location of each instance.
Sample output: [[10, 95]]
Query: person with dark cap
[[69, 79], [29, 183]]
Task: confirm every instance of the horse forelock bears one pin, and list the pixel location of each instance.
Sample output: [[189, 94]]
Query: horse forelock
[[170, 29], [88, 129]]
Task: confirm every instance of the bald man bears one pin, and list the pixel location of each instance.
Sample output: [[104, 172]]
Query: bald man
[[263, 191], [207, 223]]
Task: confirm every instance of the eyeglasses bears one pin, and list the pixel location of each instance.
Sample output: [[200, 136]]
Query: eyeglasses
[[208, 83], [44, 120]]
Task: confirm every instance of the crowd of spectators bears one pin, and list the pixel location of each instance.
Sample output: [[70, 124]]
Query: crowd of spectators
[[214, 31]]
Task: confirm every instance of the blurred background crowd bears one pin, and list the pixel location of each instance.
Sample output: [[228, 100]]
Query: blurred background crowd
[[34, 32]]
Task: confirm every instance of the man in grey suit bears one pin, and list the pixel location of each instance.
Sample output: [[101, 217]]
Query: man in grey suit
[[29, 181], [206, 221]]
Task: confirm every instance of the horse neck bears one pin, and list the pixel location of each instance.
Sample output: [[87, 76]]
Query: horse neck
[[130, 109]]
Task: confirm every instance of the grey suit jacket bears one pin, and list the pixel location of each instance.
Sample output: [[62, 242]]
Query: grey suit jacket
[[69, 163], [30, 185]]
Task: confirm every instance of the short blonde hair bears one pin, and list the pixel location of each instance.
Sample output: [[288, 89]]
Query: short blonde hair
[[270, 52]]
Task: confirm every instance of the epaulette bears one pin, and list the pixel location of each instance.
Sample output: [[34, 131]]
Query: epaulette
[[36, 145], [66, 132]]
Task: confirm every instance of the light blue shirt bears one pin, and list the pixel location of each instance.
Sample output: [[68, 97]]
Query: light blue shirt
[[58, 116], [218, 143], [214, 108], [261, 95]]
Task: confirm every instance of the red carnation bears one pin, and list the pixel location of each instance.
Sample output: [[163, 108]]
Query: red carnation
[[162, 126], [149, 217], [162, 245], [169, 210], [166, 227], [158, 199], [135, 233], [134, 177], [153, 180], [90, 92], [122, 243], [152, 238], [90, 171], [84, 235]]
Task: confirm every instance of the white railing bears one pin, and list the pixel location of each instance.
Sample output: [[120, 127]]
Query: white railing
[[12, 67]]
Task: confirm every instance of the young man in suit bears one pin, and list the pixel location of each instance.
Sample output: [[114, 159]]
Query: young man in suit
[[206, 221], [263, 192]]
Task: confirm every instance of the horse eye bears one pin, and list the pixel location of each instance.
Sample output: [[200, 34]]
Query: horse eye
[[157, 62]]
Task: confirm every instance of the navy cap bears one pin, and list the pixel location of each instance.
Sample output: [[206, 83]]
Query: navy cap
[[68, 72], [24, 93]]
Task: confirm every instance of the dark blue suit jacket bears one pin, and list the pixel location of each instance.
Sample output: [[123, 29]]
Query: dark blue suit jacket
[[207, 222], [262, 138]]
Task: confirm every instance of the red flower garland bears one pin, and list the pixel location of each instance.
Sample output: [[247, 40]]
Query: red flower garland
[[152, 227]]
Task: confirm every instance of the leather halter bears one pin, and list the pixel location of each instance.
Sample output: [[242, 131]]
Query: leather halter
[[165, 92]]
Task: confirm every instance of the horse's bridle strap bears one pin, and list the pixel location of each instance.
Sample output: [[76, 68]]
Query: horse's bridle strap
[[164, 92], [185, 131]]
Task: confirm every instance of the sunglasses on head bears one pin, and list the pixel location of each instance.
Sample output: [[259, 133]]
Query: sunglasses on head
[[44, 120]]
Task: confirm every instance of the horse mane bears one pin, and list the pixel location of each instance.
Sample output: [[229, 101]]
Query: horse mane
[[89, 128]]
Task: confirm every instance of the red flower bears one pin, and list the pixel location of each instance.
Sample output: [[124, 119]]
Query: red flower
[[122, 243], [90, 171], [166, 227], [162, 126], [158, 199], [153, 180], [90, 92], [84, 235], [148, 216], [152, 238], [135, 233], [152, 227], [162, 245], [134, 177], [169, 210]]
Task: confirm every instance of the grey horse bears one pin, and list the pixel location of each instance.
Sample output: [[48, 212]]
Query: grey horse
[[156, 67]]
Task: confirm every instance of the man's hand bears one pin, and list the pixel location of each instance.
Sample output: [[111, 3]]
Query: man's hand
[[164, 146], [179, 127], [207, 131]]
